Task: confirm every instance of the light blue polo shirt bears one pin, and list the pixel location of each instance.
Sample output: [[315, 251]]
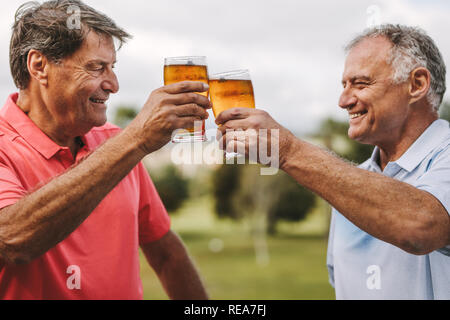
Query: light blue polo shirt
[[363, 267]]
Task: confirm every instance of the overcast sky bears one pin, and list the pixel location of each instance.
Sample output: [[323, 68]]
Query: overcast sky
[[293, 49]]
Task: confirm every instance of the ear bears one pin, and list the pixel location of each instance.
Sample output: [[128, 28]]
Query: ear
[[420, 82], [38, 66]]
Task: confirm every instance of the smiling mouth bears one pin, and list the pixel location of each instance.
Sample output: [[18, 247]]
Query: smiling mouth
[[357, 115], [100, 101]]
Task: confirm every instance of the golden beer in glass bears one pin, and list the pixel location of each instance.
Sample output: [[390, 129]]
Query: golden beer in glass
[[228, 90], [178, 69], [232, 89]]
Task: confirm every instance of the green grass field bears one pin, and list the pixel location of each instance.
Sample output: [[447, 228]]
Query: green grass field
[[296, 268]]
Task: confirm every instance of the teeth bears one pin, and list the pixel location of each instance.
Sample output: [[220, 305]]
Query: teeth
[[355, 115], [98, 101]]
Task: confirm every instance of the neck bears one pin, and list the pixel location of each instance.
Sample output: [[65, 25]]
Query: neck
[[35, 108], [394, 149]]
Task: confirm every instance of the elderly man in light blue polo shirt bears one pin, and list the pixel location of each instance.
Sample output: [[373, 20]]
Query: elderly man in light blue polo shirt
[[390, 229], [364, 267], [360, 265]]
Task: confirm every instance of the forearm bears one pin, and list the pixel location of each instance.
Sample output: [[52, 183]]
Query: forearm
[[45, 217], [388, 209], [175, 269], [181, 280]]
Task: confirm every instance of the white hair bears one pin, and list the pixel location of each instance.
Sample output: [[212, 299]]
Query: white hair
[[411, 48]]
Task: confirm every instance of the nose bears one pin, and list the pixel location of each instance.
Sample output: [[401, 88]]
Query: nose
[[111, 83], [347, 99]]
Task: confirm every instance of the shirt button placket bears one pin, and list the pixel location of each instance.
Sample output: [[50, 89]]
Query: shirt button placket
[[66, 158]]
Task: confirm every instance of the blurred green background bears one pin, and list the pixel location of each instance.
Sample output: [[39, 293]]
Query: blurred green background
[[250, 236], [224, 253]]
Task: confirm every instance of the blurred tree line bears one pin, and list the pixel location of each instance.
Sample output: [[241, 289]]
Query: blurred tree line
[[239, 191], [444, 111]]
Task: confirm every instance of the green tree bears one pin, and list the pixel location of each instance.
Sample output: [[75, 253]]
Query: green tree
[[225, 181], [444, 111], [172, 187], [241, 191], [334, 135], [293, 203]]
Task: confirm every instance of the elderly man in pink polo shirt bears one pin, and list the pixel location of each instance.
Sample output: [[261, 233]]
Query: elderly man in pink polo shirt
[[75, 201]]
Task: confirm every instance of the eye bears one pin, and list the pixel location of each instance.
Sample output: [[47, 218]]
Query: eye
[[98, 68], [361, 84], [94, 67]]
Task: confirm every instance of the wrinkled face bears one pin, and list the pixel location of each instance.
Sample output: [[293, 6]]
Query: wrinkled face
[[378, 110], [80, 85]]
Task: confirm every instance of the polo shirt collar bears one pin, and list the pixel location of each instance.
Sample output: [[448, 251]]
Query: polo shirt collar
[[27, 129], [430, 139], [374, 159]]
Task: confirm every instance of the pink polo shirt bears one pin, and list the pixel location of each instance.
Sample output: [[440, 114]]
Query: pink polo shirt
[[100, 259]]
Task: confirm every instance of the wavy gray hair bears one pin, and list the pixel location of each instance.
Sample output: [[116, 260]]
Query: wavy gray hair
[[411, 48], [44, 27]]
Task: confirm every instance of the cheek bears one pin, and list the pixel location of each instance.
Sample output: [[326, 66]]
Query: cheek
[[393, 106], [80, 86]]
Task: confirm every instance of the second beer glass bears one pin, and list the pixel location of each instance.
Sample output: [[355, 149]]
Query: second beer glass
[[233, 89]]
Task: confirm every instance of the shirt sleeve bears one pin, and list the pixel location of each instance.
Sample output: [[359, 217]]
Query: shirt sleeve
[[436, 180], [154, 221], [11, 189]]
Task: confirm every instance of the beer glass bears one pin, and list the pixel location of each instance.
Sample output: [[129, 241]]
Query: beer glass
[[233, 89], [178, 69]]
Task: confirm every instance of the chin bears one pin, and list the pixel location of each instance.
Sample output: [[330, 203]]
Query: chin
[[352, 134], [100, 123], [357, 136], [93, 123], [100, 119]]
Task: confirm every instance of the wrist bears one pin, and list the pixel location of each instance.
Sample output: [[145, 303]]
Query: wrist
[[287, 150], [135, 141]]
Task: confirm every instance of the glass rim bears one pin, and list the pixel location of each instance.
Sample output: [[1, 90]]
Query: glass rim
[[228, 74], [196, 60]]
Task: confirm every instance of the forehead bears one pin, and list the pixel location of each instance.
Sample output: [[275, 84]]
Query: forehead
[[368, 58], [96, 47]]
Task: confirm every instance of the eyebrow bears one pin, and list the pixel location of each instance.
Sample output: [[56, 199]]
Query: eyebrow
[[98, 61]]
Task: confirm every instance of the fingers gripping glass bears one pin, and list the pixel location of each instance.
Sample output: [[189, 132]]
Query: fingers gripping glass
[[178, 69], [233, 89]]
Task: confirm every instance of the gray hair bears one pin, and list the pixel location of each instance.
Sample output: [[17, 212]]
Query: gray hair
[[46, 27], [411, 48]]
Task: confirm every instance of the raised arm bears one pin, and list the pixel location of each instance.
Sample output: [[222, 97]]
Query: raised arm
[[45, 217], [390, 210]]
